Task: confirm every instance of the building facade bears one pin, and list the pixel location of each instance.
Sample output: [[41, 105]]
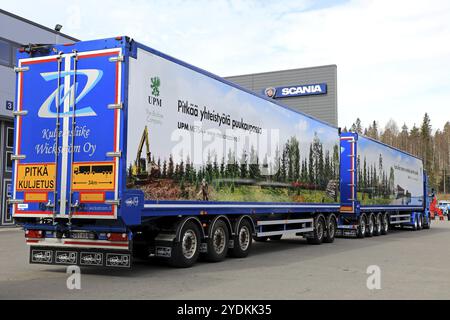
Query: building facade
[[310, 90], [15, 31]]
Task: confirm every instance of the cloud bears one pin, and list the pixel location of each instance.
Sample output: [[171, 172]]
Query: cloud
[[393, 57]]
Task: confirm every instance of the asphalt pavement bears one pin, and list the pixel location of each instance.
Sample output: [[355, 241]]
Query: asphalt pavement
[[411, 265]]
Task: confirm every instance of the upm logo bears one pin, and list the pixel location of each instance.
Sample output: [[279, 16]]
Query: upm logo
[[154, 99], [93, 77]]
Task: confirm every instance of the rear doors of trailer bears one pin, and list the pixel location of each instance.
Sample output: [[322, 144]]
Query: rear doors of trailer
[[68, 135]]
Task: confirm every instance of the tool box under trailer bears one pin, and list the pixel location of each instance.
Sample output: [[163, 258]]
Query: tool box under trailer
[[223, 166]]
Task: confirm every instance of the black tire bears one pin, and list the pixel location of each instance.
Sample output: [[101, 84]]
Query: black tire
[[428, 224], [420, 222], [275, 238], [319, 231], [361, 231], [242, 240], [385, 224], [217, 244], [260, 239], [185, 252], [416, 224], [370, 225], [331, 227], [378, 224]]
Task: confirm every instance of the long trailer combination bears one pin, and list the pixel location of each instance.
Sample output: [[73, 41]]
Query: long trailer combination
[[223, 166]]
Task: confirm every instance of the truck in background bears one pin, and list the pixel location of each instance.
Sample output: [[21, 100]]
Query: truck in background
[[223, 166]]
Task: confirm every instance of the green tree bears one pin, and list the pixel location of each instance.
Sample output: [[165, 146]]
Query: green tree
[[164, 171], [243, 167], [253, 167]]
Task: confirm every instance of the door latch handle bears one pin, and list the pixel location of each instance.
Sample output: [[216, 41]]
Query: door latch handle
[[75, 205]]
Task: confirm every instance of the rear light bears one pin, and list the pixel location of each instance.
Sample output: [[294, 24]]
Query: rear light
[[21, 50], [34, 234], [118, 38], [117, 236]]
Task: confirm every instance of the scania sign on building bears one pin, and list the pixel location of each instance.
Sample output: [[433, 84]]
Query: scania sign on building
[[310, 90], [297, 90]]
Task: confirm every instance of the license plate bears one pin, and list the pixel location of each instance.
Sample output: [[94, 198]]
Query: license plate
[[41, 256], [91, 258], [82, 235], [165, 252], [118, 260], [66, 257]]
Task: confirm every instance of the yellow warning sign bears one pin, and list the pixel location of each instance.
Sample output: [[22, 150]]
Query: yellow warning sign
[[93, 176], [36, 197], [36, 176], [92, 197]]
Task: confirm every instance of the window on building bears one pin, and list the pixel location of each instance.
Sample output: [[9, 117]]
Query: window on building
[[8, 166], [9, 137], [5, 53]]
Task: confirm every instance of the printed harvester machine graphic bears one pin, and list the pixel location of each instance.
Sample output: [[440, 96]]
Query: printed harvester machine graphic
[[143, 168]]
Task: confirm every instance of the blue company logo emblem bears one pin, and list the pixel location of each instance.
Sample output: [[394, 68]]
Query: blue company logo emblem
[[93, 77], [297, 90], [132, 202]]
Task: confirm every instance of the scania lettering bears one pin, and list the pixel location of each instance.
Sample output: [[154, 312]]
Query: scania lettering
[[301, 90], [122, 152]]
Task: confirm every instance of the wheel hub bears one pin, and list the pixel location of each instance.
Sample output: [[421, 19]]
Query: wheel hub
[[189, 244], [320, 231], [244, 238], [219, 240], [331, 229]]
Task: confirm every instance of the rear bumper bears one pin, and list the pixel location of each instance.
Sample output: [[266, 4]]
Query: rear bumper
[[80, 256], [79, 243]]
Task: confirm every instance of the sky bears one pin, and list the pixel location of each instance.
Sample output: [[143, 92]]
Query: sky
[[393, 57]]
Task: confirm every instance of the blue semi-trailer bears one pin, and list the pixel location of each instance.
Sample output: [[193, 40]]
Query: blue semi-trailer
[[122, 151]]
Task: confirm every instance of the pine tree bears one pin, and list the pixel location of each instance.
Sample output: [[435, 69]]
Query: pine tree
[[209, 168], [304, 174], [170, 169], [164, 171], [158, 172], [216, 171], [277, 165], [222, 168], [336, 162], [243, 163], [283, 168], [188, 170], [311, 164], [427, 151], [176, 174], [253, 167], [181, 171]]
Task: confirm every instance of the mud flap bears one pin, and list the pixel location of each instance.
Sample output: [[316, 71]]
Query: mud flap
[[81, 257]]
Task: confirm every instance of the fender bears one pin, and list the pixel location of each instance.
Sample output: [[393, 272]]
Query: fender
[[183, 222], [239, 221], [211, 226]]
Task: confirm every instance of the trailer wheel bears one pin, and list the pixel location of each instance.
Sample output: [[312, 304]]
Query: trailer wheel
[[242, 240], [416, 223], [428, 224], [319, 231], [378, 224], [419, 222], [276, 237], [331, 229], [385, 224], [361, 231], [370, 225], [185, 252], [218, 242]]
